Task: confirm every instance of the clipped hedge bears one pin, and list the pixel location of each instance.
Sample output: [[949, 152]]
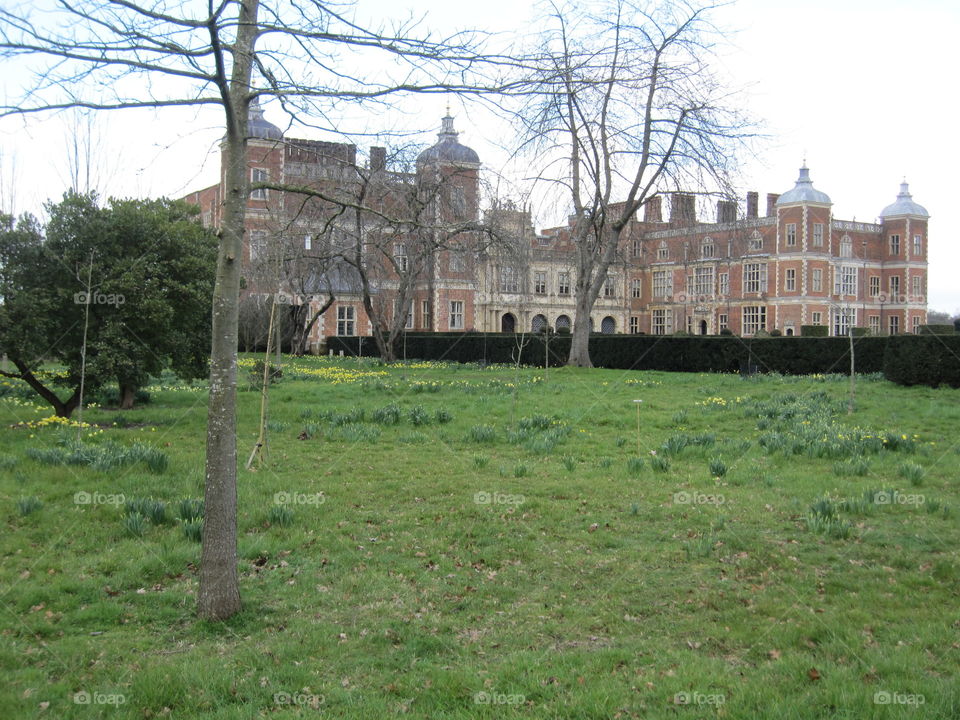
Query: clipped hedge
[[923, 360], [814, 331], [936, 330], [788, 355]]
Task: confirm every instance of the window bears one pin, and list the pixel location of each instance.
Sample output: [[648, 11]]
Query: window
[[258, 175], [508, 280], [307, 242], [817, 280], [663, 252], [457, 262], [723, 282], [636, 288], [458, 202], [563, 283], [609, 287], [817, 318], [790, 279], [818, 234], [425, 313], [754, 319], [707, 248], [258, 244], [791, 234], [916, 288], [723, 320], [634, 325], [662, 283], [874, 286], [456, 314], [874, 322], [894, 288], [918, 244], [846, 283], [915, 322], [755, 277], [842, 319], [540, 282], [846, 246], [400, 255], [894, 244], [894, 324], [662, 322], [755, 242], [703, 281], [346, 324], [637, 248]]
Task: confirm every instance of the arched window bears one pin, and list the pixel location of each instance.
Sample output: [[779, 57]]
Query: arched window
[[508, 323], [846, 246], [707, 248], [539, 324], [608, 326], [563, 323]]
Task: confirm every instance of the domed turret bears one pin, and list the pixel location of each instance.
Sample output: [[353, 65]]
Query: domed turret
[[803, 192], [258, 126], [448, 151], [904, 205]]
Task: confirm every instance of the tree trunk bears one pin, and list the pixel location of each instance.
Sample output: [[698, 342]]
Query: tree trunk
[[580, 339], [61, 408], [219, 594], [127, 394]]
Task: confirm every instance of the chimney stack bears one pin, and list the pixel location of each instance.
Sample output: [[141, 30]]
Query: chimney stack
[[683, 209], [772, 204], [652, 210], [753, 202], [726, 211], [378, 158]]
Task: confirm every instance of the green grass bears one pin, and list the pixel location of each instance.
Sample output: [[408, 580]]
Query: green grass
[[457, 542]]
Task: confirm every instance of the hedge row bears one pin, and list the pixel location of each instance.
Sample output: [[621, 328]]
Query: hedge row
[[923, 360], [788, 355]]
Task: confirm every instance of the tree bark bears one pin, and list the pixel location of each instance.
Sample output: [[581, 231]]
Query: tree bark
[[219, 594], [127, 395]]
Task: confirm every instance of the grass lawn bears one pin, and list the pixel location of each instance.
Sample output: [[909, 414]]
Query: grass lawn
[[457, 542]]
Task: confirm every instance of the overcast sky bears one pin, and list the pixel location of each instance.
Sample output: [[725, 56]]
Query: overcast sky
[[864, 90]]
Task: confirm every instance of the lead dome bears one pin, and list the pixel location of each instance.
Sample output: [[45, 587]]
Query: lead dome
[[448, 150], [904, 205], [804, 191]]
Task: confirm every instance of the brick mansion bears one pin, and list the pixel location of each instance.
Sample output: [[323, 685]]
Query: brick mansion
[[740, 271]]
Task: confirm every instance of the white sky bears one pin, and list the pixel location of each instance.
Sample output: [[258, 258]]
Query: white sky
[[863, 89]]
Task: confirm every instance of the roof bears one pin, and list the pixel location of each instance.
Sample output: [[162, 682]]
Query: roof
[[260, 127], [803, 191], [448, 150], [904, 205]]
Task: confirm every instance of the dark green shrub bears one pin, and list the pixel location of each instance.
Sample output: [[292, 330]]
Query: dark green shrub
[[937, 330], [814, 331]]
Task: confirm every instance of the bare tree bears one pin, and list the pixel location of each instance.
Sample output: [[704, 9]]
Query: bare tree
[[104, 55], [89, 162], [625, 106]]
